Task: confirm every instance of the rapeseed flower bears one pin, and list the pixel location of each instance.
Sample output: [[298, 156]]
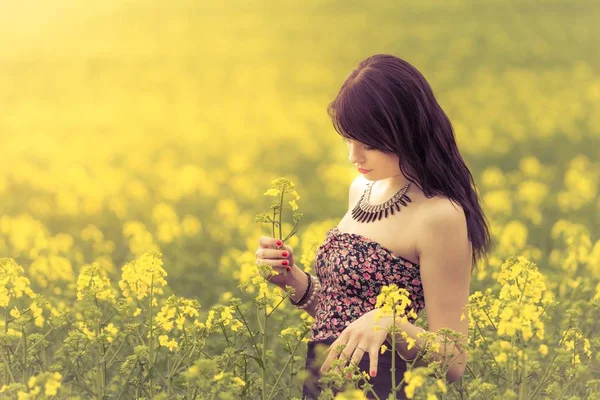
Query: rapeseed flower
[[13, 285], [140, 240], [351, 394], [393, 299], [164, 341], [174, 312], [143, 275], [93, 283], [53, 384]]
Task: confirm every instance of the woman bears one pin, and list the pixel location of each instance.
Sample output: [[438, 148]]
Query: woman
[[413, 219]]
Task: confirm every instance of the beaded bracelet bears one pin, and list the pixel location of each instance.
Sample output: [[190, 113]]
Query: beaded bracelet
[[316, 288], [306, 293]]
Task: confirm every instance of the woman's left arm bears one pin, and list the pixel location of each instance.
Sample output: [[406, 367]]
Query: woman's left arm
[[445, 259]]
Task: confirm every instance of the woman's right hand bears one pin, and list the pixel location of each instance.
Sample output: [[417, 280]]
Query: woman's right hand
[[280, 257]]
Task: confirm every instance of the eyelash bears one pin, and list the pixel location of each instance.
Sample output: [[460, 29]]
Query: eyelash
[[366, 147]]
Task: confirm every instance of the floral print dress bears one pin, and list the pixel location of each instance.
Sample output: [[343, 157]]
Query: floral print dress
[[352, 270]]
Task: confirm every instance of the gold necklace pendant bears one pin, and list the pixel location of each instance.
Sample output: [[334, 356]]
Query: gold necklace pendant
[[365, 212]]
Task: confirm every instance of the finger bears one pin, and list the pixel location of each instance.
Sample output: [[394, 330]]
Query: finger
[[333, 352], [357, 355], [344, 357], [277, 264], [373, 359], [273, 253], [266, 242]]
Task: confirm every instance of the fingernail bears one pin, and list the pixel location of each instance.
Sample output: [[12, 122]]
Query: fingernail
[[284, 262], [284, 254], [288, 269], [373, 373], [279, 243]]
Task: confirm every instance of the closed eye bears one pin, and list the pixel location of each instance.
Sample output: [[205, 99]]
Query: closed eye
[[346, 140]]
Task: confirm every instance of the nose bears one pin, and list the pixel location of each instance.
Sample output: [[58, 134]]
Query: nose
[[356, 155]]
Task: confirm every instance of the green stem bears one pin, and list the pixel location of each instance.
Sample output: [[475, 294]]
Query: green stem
[[179, 361], [281, 210], [274, 222], [99, 377], [286, 364], [42, 338], [394, 352], [542, 380], [24, 335], [114, 355], [264, 352], [486, 348], [7, 371], [522, 391], [150, 345], [249, 330], [225, 334], [276, 306]]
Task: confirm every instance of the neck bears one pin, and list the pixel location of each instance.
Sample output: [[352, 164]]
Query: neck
[[391, 184]]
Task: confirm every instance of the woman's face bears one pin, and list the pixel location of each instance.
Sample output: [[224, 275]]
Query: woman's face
[[379, 165]]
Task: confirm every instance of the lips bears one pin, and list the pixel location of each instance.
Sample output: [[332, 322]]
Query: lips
[[361, 170]]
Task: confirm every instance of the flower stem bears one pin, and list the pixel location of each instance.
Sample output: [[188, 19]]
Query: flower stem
[[394, 351], [286, 364], [150, 345], [281, 210], [264, 352]]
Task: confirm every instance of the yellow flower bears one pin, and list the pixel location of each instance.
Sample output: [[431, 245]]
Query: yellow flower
[[93, 283], [351, 394], [31, 382], [111, 332], [413, 379], [85, 330], [238, 381], [191, 225], [143, 274], [543, 349], [293, 205], [15, 313], [165, 342], [219, 376], [441, 385], [140, 240], [383, 348], [12, 282], [52, 384], [272, 192]]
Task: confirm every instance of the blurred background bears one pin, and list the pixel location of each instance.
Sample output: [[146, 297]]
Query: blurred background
[[134, 125]]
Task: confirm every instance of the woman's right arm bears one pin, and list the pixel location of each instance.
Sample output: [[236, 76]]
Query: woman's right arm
[[299, 281]]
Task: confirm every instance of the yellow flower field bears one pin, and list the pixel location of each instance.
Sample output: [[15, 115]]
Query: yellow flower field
[[140, 140]]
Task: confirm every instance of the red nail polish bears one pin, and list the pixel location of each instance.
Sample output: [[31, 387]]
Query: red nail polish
[[373, 373], [288, 269], [284, 262], [284, 254], [279, 243]]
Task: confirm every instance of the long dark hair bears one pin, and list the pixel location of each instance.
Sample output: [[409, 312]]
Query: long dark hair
[[387, 104]]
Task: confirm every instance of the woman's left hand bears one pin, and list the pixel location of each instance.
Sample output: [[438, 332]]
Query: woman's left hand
[[359, 337]]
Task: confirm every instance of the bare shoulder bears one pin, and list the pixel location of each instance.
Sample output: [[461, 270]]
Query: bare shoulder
[[440, 215], [440, 207]]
